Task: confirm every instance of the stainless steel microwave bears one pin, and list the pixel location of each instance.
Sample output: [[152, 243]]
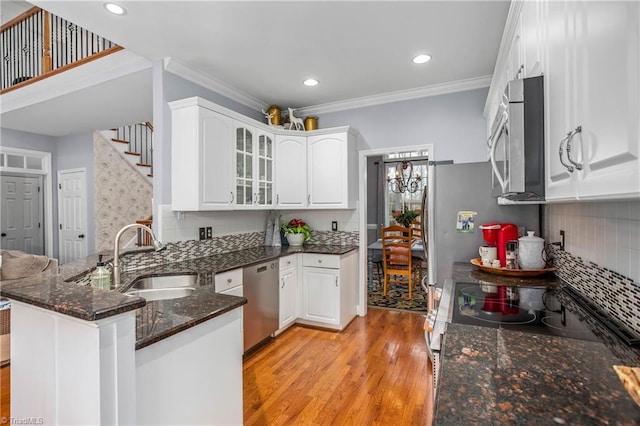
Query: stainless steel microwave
[[516, 144]]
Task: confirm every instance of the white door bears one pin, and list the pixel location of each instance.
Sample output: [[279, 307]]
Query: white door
[[72, 214], [21, 215]]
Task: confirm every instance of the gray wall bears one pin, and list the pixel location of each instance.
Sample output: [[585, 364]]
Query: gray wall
[[453, 123]]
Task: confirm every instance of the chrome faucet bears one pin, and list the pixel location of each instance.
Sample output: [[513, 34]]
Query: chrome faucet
[[157, 245]]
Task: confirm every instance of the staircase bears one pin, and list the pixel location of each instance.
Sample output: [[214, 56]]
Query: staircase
[[135, 144]]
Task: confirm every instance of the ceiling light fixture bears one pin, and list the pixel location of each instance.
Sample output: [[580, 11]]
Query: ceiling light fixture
[[115, 8], [421, 59], [311, 82]]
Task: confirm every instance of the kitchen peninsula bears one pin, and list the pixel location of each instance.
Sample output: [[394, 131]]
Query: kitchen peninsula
[[99, 356]]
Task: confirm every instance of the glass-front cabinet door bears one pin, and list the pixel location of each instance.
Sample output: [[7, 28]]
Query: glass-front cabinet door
[[244, 166], [254, 167], [265, 170]]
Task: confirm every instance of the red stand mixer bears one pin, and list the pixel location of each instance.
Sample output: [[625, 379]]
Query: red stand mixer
[[498, 235]]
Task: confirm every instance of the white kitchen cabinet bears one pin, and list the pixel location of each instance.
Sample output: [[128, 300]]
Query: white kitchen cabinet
[[332, 170], [592, 85], [317, 171], [532, 31], [329, 289], [291, 171], [288, 312], [201, 148], [254, 162]]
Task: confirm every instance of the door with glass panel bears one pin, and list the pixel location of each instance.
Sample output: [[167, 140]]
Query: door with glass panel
[[254, 167], [264, 173]]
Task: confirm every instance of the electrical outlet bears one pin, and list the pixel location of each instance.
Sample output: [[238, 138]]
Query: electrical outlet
[[209, 233], [562, 240], [334, 225], [203, 234]]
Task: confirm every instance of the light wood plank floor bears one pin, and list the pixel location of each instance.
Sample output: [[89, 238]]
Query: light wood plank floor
[[376, 372], [5, 388]]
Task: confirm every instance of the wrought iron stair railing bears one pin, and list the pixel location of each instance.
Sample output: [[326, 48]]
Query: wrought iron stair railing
[[38, 44]]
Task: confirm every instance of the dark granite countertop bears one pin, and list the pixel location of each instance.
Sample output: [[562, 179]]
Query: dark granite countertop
[[155, 320], [497, 376]]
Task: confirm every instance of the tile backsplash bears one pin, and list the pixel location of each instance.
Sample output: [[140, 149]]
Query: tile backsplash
[[601, 257], [605, 233], [182, 226]]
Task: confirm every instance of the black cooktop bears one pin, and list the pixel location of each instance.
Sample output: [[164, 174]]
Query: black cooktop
[[542, 310]]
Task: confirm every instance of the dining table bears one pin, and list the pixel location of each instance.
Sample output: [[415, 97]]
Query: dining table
[[376, 247]]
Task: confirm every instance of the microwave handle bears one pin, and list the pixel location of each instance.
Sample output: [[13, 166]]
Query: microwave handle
[[492, 156]]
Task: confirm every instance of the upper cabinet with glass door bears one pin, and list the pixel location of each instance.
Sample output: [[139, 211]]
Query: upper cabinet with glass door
[[254, 167]]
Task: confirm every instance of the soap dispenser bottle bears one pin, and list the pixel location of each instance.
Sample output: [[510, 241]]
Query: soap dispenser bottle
[[101, 277]]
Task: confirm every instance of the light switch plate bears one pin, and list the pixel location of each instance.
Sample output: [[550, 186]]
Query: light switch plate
[[202, 233]]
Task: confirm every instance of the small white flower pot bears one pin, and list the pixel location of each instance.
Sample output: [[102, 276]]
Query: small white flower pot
[[295, 239]]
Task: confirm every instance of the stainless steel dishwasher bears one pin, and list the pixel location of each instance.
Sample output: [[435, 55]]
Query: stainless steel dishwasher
[[261, 311]]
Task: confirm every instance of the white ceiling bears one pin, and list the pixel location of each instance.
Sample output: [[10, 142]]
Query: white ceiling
[[262, 50]]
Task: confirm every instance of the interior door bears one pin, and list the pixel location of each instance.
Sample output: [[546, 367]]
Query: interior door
[[72, 214], [21, 214]]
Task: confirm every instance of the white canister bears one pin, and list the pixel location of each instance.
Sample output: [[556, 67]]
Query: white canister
[[531, 252]]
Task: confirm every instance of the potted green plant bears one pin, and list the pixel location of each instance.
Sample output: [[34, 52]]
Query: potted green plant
[[405, 217], [296, 231]]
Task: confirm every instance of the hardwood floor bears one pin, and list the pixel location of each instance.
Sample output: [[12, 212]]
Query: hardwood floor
[[5, 388], [377, 371]]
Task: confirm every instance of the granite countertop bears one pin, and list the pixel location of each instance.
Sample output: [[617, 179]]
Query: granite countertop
[[155, 320], [499, 376]]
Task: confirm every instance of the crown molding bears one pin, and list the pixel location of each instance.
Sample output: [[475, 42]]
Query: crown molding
[[174, 67], [230, 92], [402, 95]]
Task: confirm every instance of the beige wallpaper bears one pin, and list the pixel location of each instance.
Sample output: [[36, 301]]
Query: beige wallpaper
[[122, 195]]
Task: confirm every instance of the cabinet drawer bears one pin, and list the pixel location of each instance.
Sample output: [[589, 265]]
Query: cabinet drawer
[[288, 262], [321, 260], [229, 279]]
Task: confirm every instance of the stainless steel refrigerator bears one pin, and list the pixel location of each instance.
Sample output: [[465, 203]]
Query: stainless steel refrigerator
[[453, 188]]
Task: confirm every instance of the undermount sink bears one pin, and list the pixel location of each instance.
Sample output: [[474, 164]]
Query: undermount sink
[[162, 287], [162, 293]]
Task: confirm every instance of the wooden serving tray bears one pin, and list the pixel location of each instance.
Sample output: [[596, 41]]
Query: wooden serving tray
[[511, 272]]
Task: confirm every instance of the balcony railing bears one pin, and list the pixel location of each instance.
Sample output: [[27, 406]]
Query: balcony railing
[[38, 44]]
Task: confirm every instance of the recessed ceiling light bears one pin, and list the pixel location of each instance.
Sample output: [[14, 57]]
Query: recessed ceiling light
[[311, 82], [421, 59], [114, 8]]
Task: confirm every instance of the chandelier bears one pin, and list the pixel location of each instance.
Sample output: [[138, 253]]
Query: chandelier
[[404, 181]]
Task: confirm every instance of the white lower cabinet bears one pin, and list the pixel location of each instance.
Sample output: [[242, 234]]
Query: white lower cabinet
[[288, 312], [329, 289]]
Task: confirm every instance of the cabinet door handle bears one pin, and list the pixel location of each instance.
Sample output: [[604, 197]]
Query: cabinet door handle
[[282, 283], [229, 280], [277, 198], [81, 236], [231, 196], [308, 198], [3, 234], [569, 141], [336, 281], [255, 198]]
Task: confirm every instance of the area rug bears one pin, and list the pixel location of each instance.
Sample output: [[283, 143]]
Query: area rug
[[397, 297]]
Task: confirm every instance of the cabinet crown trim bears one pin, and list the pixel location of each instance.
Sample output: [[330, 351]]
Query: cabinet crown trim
[[204, 103]]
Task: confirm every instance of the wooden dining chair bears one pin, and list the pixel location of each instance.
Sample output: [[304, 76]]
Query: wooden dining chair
[[416, 233], [398, 267]]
